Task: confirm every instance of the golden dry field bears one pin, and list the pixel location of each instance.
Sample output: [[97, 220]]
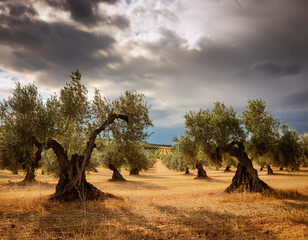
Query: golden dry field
[[158, 204]]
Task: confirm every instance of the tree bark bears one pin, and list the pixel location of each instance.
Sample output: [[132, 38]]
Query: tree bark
[[246, 177], [34, 163], [29, 166], [116, 176], [30, 175], [227, 168], [134, 171], [187, 171], [72, 183], [269, 170], [261, 168], [201, 172], [15, 167]]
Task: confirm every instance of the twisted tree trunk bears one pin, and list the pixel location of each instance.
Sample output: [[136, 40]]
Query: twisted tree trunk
[[116, 176], [33, 163], [269, 170], [30, 175], [261, 168], [227, 168], [246, 177], [201, 172], [134, 171], [187, 171], [15, 167], [72, 183]]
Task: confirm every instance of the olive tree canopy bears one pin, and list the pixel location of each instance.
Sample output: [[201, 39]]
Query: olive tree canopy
[[220, 130]]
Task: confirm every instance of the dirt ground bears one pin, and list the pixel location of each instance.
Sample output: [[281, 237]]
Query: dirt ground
[[157, 204]]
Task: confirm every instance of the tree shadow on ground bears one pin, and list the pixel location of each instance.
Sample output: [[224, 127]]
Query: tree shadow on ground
[[28, 184], [298, 206], [292, 195], [206, 224], [141, 176], [96, 223], [214, 180], [285, 174], [137, 185], [113, 219]]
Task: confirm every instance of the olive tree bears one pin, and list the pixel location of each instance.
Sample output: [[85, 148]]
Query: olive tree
[[220, 129], [176, 161], [127, 137], [50, 125], [304, 148], [228, 161], [90, 119], [191, 153], [289, 154], [137, 158], [132, 156], [262, 127], [25, 122], [185, 156], [11, 149]]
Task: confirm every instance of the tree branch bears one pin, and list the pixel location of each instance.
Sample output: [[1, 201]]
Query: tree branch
[[91, 143], [237, 150], [60, 152], [38, 153]]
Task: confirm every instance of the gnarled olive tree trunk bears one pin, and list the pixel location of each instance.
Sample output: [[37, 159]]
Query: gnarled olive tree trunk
[[227, 168], [116, 176], [201, 172], [246, 177], [269, 170], [134, 171], [187, 171], [33, 163], [72, 183], [30, 175]]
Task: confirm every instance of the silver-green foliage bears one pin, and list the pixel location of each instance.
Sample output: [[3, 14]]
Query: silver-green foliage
[[22, 116], [289, 154], [127, 137]]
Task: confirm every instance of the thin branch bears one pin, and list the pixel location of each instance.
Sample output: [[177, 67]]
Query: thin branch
[[38, 153]]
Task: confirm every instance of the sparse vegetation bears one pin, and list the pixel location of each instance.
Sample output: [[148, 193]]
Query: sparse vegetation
[[159, 204]]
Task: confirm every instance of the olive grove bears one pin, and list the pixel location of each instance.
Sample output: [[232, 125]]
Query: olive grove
[[67, 124]]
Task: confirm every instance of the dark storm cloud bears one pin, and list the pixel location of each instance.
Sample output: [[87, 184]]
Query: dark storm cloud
[[52, 47], [120, 21], [271, 68], [249, 45], [297, 100], [86, 12], [19, 9]]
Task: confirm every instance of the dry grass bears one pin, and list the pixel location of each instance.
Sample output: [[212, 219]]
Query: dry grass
[[158, 204]]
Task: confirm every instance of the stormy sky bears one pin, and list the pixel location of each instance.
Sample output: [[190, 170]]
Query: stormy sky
[[183, 55]]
